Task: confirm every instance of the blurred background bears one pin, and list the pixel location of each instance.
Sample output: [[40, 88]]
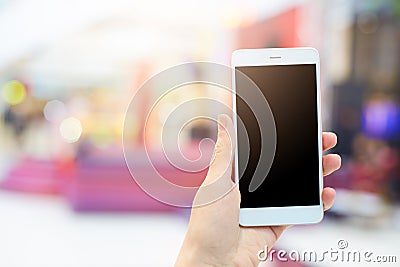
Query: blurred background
[[69, 68]]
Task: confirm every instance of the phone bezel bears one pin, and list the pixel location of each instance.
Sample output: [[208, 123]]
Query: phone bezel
[[270, 57]]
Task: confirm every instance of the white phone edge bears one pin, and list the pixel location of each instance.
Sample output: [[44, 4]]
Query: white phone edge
[[267, 57]]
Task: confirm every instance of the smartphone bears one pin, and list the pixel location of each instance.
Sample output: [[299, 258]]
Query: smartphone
[[277, 118]]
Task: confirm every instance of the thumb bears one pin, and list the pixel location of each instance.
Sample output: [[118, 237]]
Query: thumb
[[221, 162], [218, 181]]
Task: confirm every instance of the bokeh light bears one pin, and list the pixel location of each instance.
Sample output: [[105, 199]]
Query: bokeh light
[[14, 92], [71, 129], [54, 111]]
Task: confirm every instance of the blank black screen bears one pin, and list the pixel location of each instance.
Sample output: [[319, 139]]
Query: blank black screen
[[293, 180]]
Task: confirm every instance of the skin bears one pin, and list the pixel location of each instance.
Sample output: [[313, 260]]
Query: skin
[[214, 236]]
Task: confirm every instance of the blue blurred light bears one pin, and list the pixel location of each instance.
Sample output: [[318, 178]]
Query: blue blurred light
[[381, 119]]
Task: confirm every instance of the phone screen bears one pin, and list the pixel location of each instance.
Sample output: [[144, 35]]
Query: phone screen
[[293, 179]]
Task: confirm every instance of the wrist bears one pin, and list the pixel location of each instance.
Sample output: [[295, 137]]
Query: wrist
[[191, 254]]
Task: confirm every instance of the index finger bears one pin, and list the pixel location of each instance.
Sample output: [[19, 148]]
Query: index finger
[[329, 140]]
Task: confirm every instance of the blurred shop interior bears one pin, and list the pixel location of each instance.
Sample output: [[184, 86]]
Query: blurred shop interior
[[68, 70]]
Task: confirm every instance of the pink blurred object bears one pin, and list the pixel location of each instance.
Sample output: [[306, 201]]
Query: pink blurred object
[[36, 176], [98, 181], [108, 186], [102, 183]]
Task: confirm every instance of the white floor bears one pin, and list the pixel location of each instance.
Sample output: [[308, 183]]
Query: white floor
[[42, 231]]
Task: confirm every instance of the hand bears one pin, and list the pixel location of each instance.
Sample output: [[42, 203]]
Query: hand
[[214, 237]]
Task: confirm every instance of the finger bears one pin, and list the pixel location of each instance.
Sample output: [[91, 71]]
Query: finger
[[331, 163], [328, 197], [329, 140], [221, 163]]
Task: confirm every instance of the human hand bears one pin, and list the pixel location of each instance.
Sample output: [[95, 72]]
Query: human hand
[[214, 237]]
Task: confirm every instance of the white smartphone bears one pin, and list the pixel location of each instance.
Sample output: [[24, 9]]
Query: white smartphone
[[277, 118]]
